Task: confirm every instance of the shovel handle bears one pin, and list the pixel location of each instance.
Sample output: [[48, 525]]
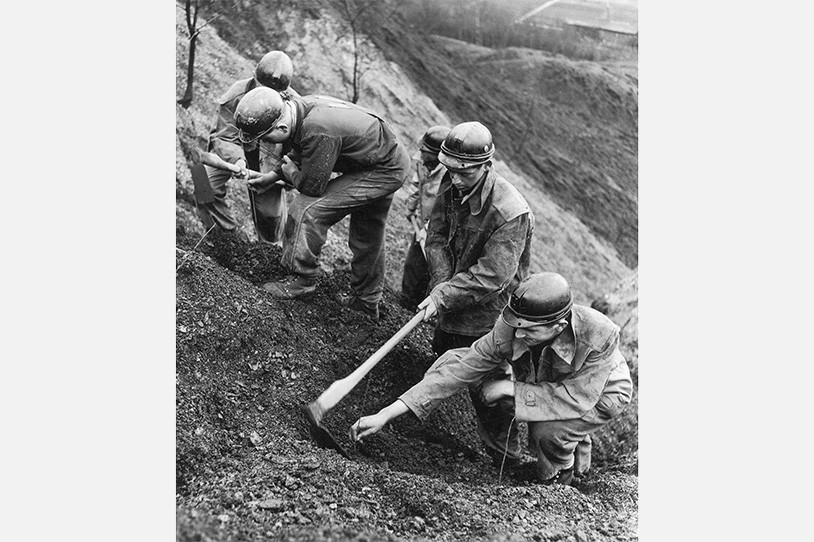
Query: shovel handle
[[215, 161], [339, 389]]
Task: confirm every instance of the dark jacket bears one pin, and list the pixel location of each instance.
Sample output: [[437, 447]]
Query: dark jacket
[[334, 135], [581, 370], [478, 250]]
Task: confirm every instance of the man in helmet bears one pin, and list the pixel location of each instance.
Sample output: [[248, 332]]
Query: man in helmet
[[328, 135], [478, 240], [274, 71], [547, 362], [422, 192]]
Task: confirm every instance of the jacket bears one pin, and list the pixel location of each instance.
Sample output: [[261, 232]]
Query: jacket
[[581, 370], [478, 250], [422, 189], [334, 135]]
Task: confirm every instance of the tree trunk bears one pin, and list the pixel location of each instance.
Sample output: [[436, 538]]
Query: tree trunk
[[186, 101]]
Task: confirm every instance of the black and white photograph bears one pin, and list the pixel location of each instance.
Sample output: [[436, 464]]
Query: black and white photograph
[[406, 270]]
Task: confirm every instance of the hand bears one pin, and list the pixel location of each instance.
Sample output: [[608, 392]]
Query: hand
[[421, 235], [431, 309], [493, 391], [289, 168], [367, 425], [244, 173], [264, 182]]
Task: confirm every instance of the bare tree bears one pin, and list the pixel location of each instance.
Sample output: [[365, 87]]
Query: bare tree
[[359, 14], [191, 9]]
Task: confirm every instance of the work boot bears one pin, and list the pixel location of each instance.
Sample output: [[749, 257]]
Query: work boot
[[353, 302], [294, 287], [564, 477]]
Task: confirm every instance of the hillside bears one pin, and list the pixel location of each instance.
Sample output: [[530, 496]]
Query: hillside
[[245, 466]]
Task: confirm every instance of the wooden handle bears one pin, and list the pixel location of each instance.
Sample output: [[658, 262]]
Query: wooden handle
[[215, 161], [341, 388]]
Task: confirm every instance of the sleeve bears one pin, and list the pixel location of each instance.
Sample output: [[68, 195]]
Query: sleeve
[[439, 258], [454, 370], [223, 139], [492, 272], [413, 189], [319, 155], [574, 396]]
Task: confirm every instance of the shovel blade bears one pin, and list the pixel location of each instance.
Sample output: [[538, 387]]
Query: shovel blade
[[323, 438]]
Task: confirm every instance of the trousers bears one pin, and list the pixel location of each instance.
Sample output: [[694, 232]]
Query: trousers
[[415, 279], [365, 196]]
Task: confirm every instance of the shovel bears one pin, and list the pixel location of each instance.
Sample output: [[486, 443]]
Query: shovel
[[316, 410]]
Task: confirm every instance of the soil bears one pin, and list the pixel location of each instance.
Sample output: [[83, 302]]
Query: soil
[[246, 468]]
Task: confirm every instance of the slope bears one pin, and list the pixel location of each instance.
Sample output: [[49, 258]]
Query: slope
[[322, 56]]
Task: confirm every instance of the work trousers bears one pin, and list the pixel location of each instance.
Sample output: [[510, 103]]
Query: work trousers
[[366, 197], [557, 444], [217, 210], [415, 279], [268, 209]]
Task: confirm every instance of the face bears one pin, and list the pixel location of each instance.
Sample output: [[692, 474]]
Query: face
[[539, 334], [465, 179], [281, 130], [429, 157]]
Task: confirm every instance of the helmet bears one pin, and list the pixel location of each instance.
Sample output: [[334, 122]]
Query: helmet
[[274, 70], [433, 137], [541, 298], [257, 113], [467, 145]]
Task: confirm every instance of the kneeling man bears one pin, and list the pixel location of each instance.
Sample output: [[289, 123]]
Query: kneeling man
[[547, 362]]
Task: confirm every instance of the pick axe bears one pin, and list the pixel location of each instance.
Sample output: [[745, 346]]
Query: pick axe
[[316, 410]]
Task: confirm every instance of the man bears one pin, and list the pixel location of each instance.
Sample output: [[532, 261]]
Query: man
[[274, 71], [478, 240], [547, 362], [423, 191], [329, 135]]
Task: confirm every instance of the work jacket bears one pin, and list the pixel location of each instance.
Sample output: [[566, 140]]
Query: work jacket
[[334, 135], [478, 250], [223, 138], [422, 189], [581, 370]]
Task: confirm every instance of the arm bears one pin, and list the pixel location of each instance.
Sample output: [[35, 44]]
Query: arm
[[223, 139], [438, 256], [454, 370], [319, 155], [574, 396], [368, 425], [492, 272]]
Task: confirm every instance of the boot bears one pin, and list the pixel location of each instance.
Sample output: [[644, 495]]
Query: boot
[[294, 287], [353, 302]]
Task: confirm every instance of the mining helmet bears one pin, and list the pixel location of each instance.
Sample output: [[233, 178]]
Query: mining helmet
[[274, 71], [257, 113], [433, 137], [468, 144], [541, 298]]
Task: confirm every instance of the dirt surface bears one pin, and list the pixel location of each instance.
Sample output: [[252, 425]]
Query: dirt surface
[[246, 468]]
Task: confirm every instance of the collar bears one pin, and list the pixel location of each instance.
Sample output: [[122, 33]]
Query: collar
[[564, 345], [477, 196]]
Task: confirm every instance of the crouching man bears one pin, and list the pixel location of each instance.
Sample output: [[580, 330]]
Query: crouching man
[[547, 362]]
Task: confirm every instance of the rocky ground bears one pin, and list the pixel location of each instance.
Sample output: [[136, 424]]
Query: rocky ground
[[246, 468]]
